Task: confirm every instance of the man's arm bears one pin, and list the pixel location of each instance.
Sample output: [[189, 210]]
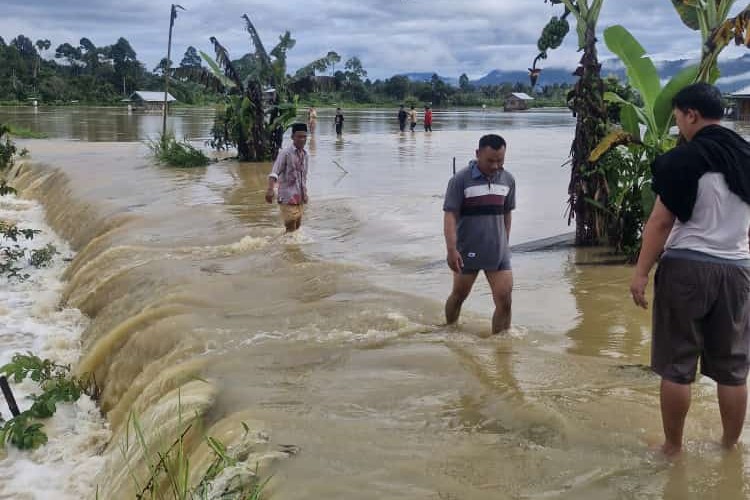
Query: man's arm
[[507, 219], [455, 262], [273, 177], [655, 235]]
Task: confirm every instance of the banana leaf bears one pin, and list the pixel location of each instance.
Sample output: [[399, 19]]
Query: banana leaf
[[663, 105], [642, 74], [612, 140], [688, 12]]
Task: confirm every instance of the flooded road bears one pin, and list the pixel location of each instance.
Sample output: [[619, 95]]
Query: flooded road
[[331, 339]]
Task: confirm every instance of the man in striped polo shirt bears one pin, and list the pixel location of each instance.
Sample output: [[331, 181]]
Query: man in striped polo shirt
[[477, 218]]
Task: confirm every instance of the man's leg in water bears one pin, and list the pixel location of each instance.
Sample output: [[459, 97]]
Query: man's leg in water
[[462, 284], [675, 403], [501, 284], [732, 404]]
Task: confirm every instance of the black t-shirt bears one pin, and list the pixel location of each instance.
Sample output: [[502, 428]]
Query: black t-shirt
[[713, 149], [402, 115], [339, 120]]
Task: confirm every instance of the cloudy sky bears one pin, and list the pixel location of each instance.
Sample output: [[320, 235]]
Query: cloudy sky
[[389, 36]]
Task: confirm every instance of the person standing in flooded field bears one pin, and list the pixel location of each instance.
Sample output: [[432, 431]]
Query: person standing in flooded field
[[402, 116], [412, 118], [699, 226], [289, 172], [427, 119], [312, 119], [476, 223], [338, 122]]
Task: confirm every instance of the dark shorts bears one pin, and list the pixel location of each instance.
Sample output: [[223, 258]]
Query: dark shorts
[[701, 311], [504, 266]]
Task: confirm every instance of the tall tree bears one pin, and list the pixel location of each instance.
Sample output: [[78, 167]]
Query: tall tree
[[191, 59], [333, 60], [25, 46], [354, 70], [463, 82], [162, 67], [125, 63], [72, 55]]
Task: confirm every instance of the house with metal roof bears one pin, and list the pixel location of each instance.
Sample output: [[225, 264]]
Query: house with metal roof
[[517, 101], [741, 99], [149, 100]]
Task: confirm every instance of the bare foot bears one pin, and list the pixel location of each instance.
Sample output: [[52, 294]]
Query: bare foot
[[728, 445], [670, 450]]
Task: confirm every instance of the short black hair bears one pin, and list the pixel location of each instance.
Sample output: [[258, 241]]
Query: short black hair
[[701, 97], [299, 127], [492, 140]]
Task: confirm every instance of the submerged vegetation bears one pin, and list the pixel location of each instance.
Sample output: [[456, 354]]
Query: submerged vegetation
[[25, 133], [24, 430], [169, 470], [7, 148], [169, 151]]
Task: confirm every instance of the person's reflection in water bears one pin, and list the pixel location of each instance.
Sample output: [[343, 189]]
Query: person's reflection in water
[[707, 477], [311, 146], [731, 473], [676, 487]]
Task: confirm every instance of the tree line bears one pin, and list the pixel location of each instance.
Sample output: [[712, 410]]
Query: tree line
[[92, 74]]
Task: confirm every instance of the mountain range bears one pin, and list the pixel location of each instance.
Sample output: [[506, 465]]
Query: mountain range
[[735, 74]]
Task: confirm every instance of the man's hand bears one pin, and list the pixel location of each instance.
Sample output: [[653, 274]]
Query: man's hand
[[455, 261], [638, 289], [269, 195]]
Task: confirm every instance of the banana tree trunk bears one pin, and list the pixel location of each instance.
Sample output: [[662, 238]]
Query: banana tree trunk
[[591, 118]]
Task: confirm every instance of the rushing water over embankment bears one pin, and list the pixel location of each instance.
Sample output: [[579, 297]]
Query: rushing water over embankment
[[331, 339]]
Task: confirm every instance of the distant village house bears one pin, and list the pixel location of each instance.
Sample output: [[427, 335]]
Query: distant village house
[[143, 100], [517, 101], [741, 106]]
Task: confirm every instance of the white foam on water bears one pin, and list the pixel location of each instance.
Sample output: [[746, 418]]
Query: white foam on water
[[30, 320]]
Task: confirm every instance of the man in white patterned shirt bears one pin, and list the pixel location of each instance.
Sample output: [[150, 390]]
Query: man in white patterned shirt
[[289, 172]]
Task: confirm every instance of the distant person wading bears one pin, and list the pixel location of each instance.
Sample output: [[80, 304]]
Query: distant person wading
[[338, 122]]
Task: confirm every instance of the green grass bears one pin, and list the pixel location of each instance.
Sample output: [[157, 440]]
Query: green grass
[[25, 133], [169, 151]]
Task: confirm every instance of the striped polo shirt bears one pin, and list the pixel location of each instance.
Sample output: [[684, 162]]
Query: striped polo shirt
[[480, 204]]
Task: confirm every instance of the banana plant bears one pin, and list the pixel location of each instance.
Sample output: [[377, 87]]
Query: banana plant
[[655, 115], [586, 102], [711, 18], [257, 107]]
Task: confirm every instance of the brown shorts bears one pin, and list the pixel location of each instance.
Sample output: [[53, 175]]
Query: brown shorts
[[291, 213], [701, 310]]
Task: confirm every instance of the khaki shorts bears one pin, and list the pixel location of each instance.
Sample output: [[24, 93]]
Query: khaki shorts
[[291, 213], [701, 311]]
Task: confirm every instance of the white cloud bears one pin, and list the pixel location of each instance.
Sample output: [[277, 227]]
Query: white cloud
[[389, 36]]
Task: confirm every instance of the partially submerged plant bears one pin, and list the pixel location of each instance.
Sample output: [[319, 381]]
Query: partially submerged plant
[[57, 385], [169, 151]]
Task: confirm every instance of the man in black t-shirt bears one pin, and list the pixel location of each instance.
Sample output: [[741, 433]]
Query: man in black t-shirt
[[402, 118], [698, 231]]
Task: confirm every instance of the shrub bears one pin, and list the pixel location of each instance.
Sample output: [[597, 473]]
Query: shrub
[[169, 151]]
